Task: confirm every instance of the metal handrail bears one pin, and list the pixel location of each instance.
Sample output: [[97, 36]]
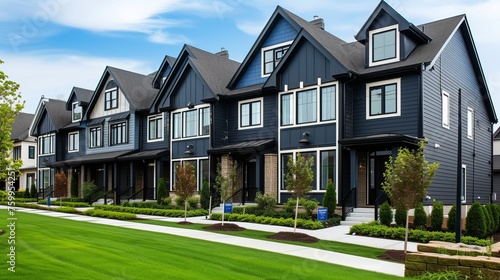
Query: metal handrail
[[235, 193], [135, 194], [105, 195], [89, 197], [349, 203]]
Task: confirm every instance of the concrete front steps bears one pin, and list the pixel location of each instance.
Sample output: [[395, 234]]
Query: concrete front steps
[[358, 216]]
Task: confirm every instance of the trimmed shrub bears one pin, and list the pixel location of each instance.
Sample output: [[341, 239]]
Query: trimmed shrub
[[266, 201], [167, 201], [497, 208], [152, 211], [437, 216], [161, 191], [71, 210], [64, 203], [420, 217], [495, 215], [33, 192], [489, 220], [126, 203], [88, 188], [3, 195], [27, 193], [331, 222], [475, 225], [385, 214], [179, 202], [309, 205], [193, 202], [73, 187], [452, 216], [288, 222], [205, 195], [400, 217], [110, 214], [330, 199]]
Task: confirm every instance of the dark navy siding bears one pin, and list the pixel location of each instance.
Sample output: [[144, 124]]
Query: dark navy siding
[[220, 125], [406, 124], [45, 125], [200, 147], [282, 32], [307, 65], [144, 134], [319, 136], [453, 71], [191, 88]]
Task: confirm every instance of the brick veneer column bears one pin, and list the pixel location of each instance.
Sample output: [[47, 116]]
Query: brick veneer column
[[271, 174]]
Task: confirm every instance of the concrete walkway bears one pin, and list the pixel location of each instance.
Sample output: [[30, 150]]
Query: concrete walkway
[[338, 233]]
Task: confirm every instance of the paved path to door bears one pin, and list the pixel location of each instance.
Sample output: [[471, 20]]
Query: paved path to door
[[287, 249]]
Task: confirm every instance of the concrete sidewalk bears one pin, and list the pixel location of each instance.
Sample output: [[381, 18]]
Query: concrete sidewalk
[[287, 249]]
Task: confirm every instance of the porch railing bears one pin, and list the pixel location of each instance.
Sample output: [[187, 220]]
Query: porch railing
[[349, 203], [242, 197], [144, 192]]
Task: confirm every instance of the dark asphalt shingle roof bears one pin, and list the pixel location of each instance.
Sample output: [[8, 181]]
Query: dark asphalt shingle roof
[[56, 109], [21, 126]]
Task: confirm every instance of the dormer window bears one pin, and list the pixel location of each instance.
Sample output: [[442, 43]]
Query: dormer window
[[272, 55], [76, 112], [111, 96], [384, 45]]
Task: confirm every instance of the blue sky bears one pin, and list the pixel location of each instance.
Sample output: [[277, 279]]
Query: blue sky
[[49, 46]]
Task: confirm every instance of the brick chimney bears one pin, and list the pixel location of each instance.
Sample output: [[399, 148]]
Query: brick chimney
[[223, 53], [319, 22]]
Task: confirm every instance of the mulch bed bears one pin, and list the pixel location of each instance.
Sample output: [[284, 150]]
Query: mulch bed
[[290, 236], [184, 223], [225, 227], [393, 256], [2, 232]]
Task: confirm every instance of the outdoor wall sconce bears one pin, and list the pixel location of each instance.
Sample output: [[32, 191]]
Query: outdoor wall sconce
[[189, 150], [45, 161], [190, 105], [305, 138]]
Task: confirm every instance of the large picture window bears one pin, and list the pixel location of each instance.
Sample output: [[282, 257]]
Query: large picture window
[[311, 105], [155, 127], [250, 113], [73, 142], [95, 136], [384, 45], [201, 171], [47, 144], [191, 123], [327, 168], [118, 133], [383, 99]]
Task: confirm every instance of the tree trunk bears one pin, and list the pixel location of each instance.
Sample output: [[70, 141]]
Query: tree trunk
[[406, 231], [223, 205], [296, 211], [185, 209]]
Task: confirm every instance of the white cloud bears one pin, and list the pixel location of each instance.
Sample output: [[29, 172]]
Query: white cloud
[[54, 75]]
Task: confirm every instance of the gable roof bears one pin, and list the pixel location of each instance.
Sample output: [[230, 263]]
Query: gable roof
[[136, 88], [82, 95], [214, 70], [55, 110], [167, 61], [21, 126]]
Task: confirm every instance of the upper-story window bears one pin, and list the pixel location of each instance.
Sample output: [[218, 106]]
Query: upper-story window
[[272, 55], [470, 123], [191, 122], [111, 96], [118, 133], [383, 99], [384, 45], [310, 105], [155, 128], [47, 144], [73, 142], [31, 152], [445, 109], [250, 113], [76, 112], [16, 153], [95, 139]]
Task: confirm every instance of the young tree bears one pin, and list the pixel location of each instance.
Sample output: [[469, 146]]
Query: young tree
[[60, 184], [10, 106], [186, 183], [298, 180], [407, 178], [226, 184]]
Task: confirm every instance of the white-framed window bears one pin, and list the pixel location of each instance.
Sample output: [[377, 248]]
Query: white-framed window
[[118, 133], [47, 144], [187, 123], [155, 128], [73, 142], [46, 176], [445, 109], [271, 56], [384, 45], [464, 183], [383, 99], [323, 167], [76, 112], [316, 104], [201, 171], [470, 123], [250, 113], [16, 153], [95, 136]]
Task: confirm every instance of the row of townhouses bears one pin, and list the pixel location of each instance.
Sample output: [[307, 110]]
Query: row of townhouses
[[348, 106]]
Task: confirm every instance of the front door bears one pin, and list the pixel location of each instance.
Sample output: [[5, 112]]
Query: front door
[[376, 176], [250, 182], [149, 181]]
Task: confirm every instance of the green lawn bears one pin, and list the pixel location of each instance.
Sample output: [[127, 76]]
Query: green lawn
[[339, 247], [55, 248]]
